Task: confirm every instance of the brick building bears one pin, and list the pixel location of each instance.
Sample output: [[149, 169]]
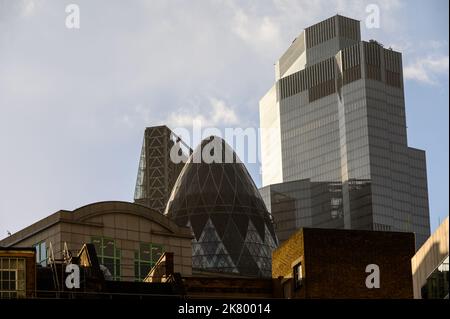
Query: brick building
[[326, 263]]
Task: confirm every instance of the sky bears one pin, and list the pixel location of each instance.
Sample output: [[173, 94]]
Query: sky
[[74, 103]]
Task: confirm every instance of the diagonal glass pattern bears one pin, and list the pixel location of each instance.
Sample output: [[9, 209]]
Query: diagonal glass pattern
[[220, 202]]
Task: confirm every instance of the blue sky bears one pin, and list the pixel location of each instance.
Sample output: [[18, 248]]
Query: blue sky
[[74, 103]]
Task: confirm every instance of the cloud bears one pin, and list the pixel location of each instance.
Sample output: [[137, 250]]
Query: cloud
[[427, 70], [222, 113], [413, 47], [436, 44], [215, 113], [28, 8], [79, 100], [256, 31]]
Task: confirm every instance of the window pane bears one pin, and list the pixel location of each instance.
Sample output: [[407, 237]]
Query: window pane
[[98, 245], [437, 283], [108, 248], [7, 280], [136, 269], [43, 252], [109, 263], [145, 268], [5, 275], [13, 285], [118, 267], [156, 252], [145, 253], [37, 252]]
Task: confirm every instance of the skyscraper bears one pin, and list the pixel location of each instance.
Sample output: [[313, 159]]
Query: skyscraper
[[334, 145], [157, 173], [233, 232]]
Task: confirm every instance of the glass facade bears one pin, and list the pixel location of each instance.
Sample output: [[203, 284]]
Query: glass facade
[[145, 258], [108, 255], [302, 203], [220, 202], [342, 137], [437, 284], [12, 278]]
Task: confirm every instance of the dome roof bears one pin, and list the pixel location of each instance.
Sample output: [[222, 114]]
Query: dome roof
[[218, 199]]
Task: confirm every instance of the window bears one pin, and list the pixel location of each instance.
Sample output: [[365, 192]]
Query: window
[[298, 275], [437, 284], [108, 255], [12, 278], [145, 258], [41, 253]]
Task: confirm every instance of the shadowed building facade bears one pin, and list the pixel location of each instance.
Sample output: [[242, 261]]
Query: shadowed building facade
[[129, 238], [430, 266], [220, 202], [312, 263], [334, 137], [319, 263]]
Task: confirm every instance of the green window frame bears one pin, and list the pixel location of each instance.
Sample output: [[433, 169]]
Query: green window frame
[[108, 255], [145, 258]]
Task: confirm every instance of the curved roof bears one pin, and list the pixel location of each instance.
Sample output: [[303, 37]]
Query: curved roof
[[82, 214], [107, 207], [218, 199]]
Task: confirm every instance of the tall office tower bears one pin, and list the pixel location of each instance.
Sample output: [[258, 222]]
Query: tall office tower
[[157, 173], [333, 143]]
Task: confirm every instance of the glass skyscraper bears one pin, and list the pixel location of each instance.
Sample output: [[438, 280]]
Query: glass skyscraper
[[333, 144], [233, 232]]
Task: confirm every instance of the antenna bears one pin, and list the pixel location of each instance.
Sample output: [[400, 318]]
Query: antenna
[[53, 267], [67, 255]]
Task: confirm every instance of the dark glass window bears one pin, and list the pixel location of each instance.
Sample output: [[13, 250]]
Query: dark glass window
[[437, 284], [298, 275], [108, 255], [145, 258]]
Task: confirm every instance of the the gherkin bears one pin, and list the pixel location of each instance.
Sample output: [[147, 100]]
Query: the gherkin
[[218, 199]]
